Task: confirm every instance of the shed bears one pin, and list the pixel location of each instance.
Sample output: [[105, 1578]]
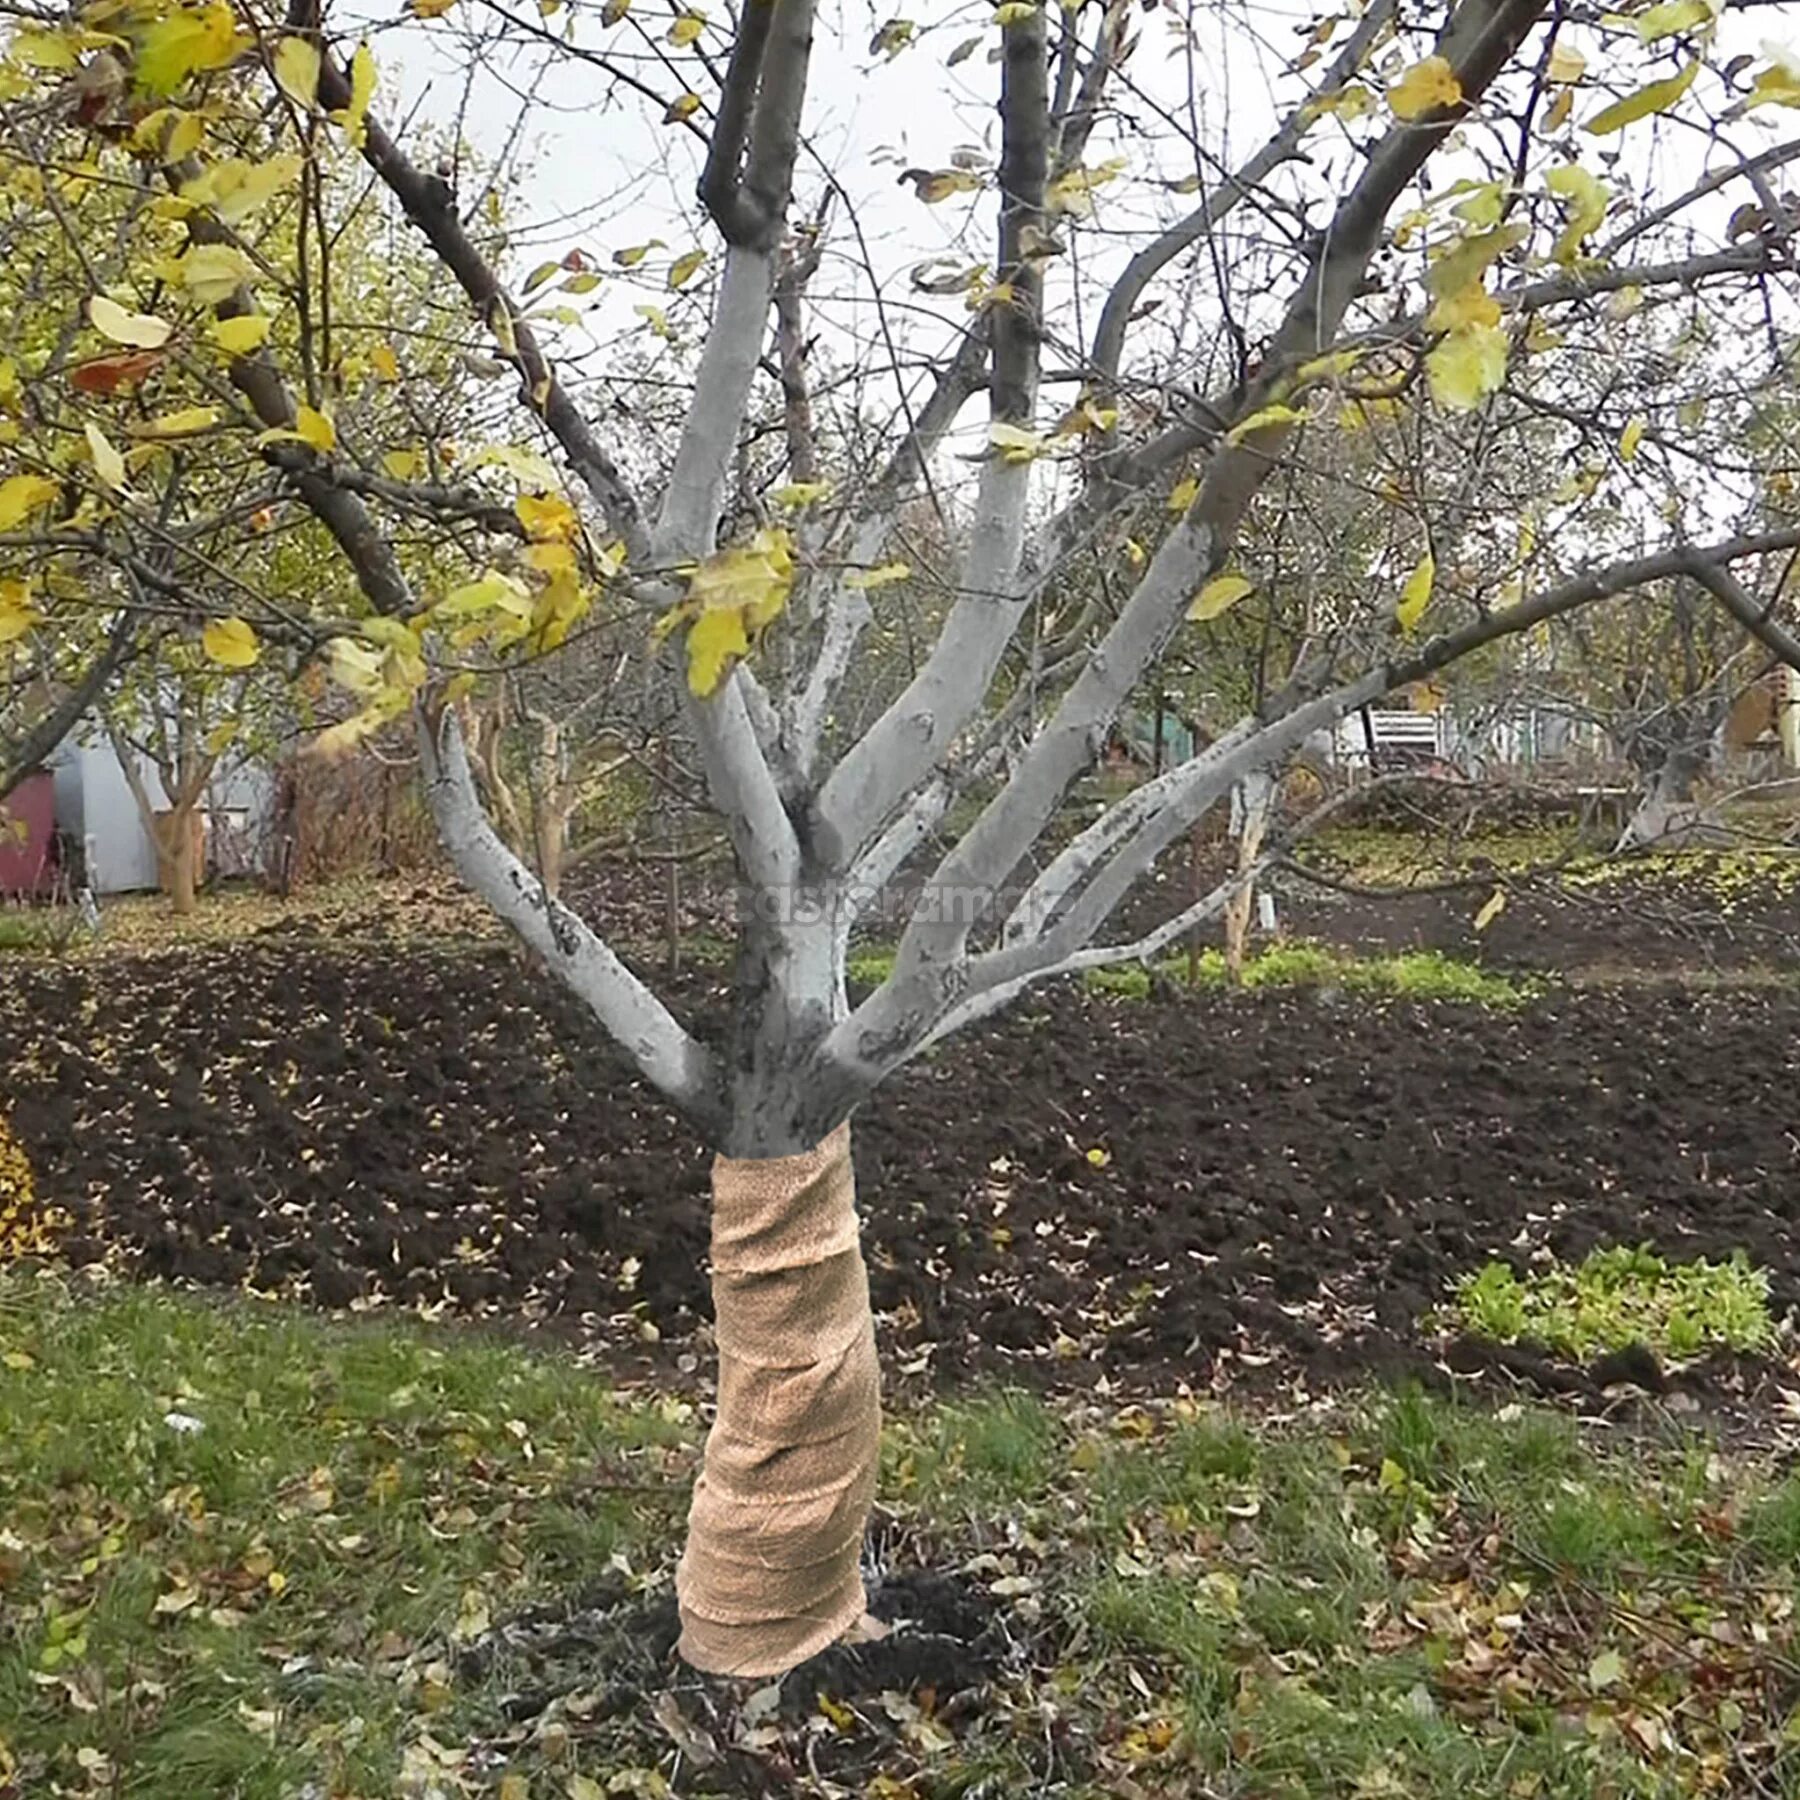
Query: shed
[[28, 836]]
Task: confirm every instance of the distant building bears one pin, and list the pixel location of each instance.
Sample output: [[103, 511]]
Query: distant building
[[97, 834]]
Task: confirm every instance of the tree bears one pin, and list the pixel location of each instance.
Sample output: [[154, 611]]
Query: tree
[[1228, 319]]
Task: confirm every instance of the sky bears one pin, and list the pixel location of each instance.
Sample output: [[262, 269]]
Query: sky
[[599, 172]]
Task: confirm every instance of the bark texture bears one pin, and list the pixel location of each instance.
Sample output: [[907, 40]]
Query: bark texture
[[772, 1572]]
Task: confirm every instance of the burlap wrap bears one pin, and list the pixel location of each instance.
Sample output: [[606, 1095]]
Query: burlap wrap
[[772, 1569]]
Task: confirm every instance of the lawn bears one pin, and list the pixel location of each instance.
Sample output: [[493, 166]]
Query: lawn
[[249, 1551]]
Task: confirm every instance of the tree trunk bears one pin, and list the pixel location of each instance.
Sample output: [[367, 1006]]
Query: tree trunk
[[550, 829], [772, 1571], [1668, 813], [1253, 806], [176, 838]]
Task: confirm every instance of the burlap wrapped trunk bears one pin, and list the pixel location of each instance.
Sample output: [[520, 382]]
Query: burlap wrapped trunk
[[772, 1570]]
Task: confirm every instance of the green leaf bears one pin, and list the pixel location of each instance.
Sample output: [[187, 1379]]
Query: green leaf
[[1415, 597], [1658, 97]]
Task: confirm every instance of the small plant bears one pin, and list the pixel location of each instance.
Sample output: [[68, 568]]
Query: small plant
[[1416, 975], [870, 969], [1129, 981], [1620, 1296]]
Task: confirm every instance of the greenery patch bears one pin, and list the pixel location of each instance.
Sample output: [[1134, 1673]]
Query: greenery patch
[[247, 1551], [1621, 1296], [1415, 975]]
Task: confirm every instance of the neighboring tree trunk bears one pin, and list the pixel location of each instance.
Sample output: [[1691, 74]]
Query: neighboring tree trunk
[[176, 830], [177, 836], [1253, 803], [772, 1570], [1673, 755]]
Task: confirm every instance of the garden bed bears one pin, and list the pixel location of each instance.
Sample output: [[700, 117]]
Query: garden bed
[[1151, 1188]]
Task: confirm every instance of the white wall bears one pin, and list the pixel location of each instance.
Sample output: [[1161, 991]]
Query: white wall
[[94, 805]]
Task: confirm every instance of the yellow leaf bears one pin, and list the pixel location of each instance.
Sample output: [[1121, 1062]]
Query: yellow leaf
[[169, 134], [1073, 192], [316, 429], [892, 38], [1352, 101], [1485, 202], [231, 643], [1015, 443], [429, 9], [634, 254], [934, 185], [22, 495], [683, 106], [1467, 365], [1261, 419], [404, 465], [1584, 197], [1220, 595], [214, 272], [234, 189], [297, 64], [118, 326], [1183, 493], [551, 558], [185, 41], [354, 118], [1494, 906], [801, 493], [1426, 87], [1631, 437], [1560, 108], [1474, 305], [1672, 17], [545, 516], [40, 49], [715, 640], [1416, 595], [1567, 65], [1659, 96], [186, 422], [1467, 259], [868, 580], [1135, 553], [1014, 12], [1779, 83], [240, 336], [686, 29], [17, 614], [684, 268], [656, 319], [109, 465], [384, 362], [751, 578]]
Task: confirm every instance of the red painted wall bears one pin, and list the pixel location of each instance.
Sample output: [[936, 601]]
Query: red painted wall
[[25, 860]]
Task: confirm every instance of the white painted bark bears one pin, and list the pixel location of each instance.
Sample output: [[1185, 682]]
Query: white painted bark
[[683, 1069]]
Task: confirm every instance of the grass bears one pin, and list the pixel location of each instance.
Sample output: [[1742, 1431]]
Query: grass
[[1618, 1296], [244, 1551], [1426, 975]]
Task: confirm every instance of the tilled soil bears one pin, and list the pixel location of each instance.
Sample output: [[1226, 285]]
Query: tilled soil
[[1082, 1185]]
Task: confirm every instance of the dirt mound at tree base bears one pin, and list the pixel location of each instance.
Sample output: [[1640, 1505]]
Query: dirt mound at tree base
[[605, 1662], [1082, 1185]]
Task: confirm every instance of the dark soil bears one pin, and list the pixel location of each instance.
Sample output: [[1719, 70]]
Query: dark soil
[[1640, 918], [1082, 1185], [947, 1642]]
